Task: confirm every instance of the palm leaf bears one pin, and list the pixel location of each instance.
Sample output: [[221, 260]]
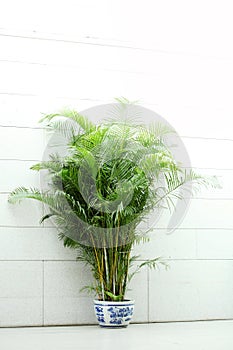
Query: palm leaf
[[72, 115]]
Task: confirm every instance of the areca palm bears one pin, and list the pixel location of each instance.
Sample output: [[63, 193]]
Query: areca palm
[[113, 176]]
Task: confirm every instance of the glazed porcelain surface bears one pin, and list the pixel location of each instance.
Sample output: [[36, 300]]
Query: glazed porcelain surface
[[114, 314]]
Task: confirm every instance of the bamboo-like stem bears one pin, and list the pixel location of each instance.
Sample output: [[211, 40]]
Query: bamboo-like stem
[[106, 265], [114, 265], [102, 289], [99, 268], [114, 283], [126, 273]]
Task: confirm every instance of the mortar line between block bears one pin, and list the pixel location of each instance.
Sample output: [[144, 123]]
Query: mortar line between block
[[148, 296], [42, 292]]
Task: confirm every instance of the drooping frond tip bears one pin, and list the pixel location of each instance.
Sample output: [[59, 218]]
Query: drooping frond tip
[[124, 101], [81, 120], [21, 193]]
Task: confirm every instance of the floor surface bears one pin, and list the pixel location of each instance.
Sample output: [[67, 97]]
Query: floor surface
[[208, 335]]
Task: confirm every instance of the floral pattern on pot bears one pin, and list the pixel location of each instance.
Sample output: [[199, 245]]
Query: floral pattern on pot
[[112, 314], [119, 315]]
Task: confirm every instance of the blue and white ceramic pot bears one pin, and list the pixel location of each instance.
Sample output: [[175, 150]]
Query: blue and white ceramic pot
[[114, 313]]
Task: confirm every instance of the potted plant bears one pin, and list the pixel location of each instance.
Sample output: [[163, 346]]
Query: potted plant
[[98, 194]]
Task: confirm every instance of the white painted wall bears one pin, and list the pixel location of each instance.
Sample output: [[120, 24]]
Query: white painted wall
[[177, 58]]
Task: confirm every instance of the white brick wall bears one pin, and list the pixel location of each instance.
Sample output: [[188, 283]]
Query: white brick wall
[[174, 56]]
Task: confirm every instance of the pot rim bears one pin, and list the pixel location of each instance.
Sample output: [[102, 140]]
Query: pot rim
[[120, 303]]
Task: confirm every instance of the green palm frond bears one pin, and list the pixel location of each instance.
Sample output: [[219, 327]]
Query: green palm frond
[[160, 130], [21, 193], [59, 202], [72, 115], [53, 165], [124, 112], [154, 263], [125, 101], [183, 180]]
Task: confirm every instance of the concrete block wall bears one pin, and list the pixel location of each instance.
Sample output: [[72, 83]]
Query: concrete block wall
[[176, 59]]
